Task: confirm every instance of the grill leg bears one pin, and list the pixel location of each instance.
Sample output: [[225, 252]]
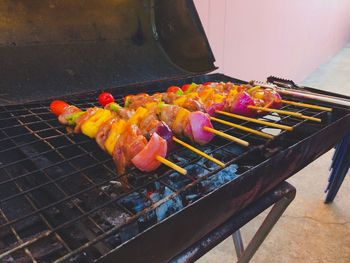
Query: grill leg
[[238, 242], [265, 228], [339, 168]]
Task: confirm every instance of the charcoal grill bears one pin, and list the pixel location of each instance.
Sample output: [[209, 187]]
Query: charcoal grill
[[60, 194]]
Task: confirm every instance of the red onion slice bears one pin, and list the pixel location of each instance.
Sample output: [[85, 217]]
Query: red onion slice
[[198, 120]]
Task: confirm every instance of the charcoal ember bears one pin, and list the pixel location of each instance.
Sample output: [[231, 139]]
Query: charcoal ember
[[218, 179], [113, 240], [129, 231], [176, 180], [195, 171], [112, 189], [192, 194], [112, 216], [164, 207], [181, 161], [139, 178], [135, 202]]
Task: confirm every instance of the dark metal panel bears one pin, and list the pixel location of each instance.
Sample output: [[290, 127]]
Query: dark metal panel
[[280, 197], [54, 48]]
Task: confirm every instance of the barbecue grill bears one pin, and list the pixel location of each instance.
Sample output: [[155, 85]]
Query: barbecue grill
[[60, 195]]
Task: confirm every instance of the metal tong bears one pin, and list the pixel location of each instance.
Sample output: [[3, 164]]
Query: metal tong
[[288, 87]]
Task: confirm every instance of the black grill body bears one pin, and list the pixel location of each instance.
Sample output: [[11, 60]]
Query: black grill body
[[58, 191], [60, 197]]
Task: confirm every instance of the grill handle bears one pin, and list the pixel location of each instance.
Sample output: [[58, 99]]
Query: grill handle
[[314, 96], [301, 93]]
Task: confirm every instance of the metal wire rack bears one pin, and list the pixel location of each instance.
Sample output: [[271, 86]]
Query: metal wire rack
[[61, 197]]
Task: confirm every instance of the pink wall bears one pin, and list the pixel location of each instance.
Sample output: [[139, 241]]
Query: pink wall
[[253, 39]]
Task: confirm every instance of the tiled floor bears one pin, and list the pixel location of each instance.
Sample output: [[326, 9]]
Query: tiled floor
[[309, 231]]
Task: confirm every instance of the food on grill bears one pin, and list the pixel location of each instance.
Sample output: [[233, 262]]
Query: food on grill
[[185, 87], [57, 106], [105, 98], [211, 97], [181, 121], [151, 110], [124, 132], [234, 98], [198, 120], [175, 89], [223, 98], [140, 130], [240, 104], [90, 126], [177, 117], [166, 133], [121, 138], [238, 99], [79, 121], [146, 159]]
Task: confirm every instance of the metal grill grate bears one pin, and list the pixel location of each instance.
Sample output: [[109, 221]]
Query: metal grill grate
[[60, 195]]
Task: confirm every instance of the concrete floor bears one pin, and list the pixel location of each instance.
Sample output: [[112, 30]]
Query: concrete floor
[[309, 230]]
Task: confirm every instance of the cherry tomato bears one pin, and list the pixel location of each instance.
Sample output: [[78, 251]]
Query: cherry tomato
[[185, 87], [207, 83], [173, 89], [105, 98], [57, 107]]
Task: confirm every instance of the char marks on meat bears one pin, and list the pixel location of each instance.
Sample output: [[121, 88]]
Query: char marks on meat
[[130, 143], [136, 101], [103, 131], [84, 117], [66, 112], [193, 105]]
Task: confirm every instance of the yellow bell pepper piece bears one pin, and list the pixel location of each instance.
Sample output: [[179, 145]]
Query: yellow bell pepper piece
[[193, 95], [180, 101], [151, 105], [232, 93], [116, 130], [260, 94], [91, 125], [206, 93], [180, 115], [218, 98], [138, 115]]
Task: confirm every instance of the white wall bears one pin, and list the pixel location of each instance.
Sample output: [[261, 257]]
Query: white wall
[[253, 39]]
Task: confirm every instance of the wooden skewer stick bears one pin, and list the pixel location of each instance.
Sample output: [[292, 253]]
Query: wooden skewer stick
[[243, 128], [290, 113], [284, 112], [306, 105], [227, 136], [271, 124], [203, 154], [171, 165], [311, 118]]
